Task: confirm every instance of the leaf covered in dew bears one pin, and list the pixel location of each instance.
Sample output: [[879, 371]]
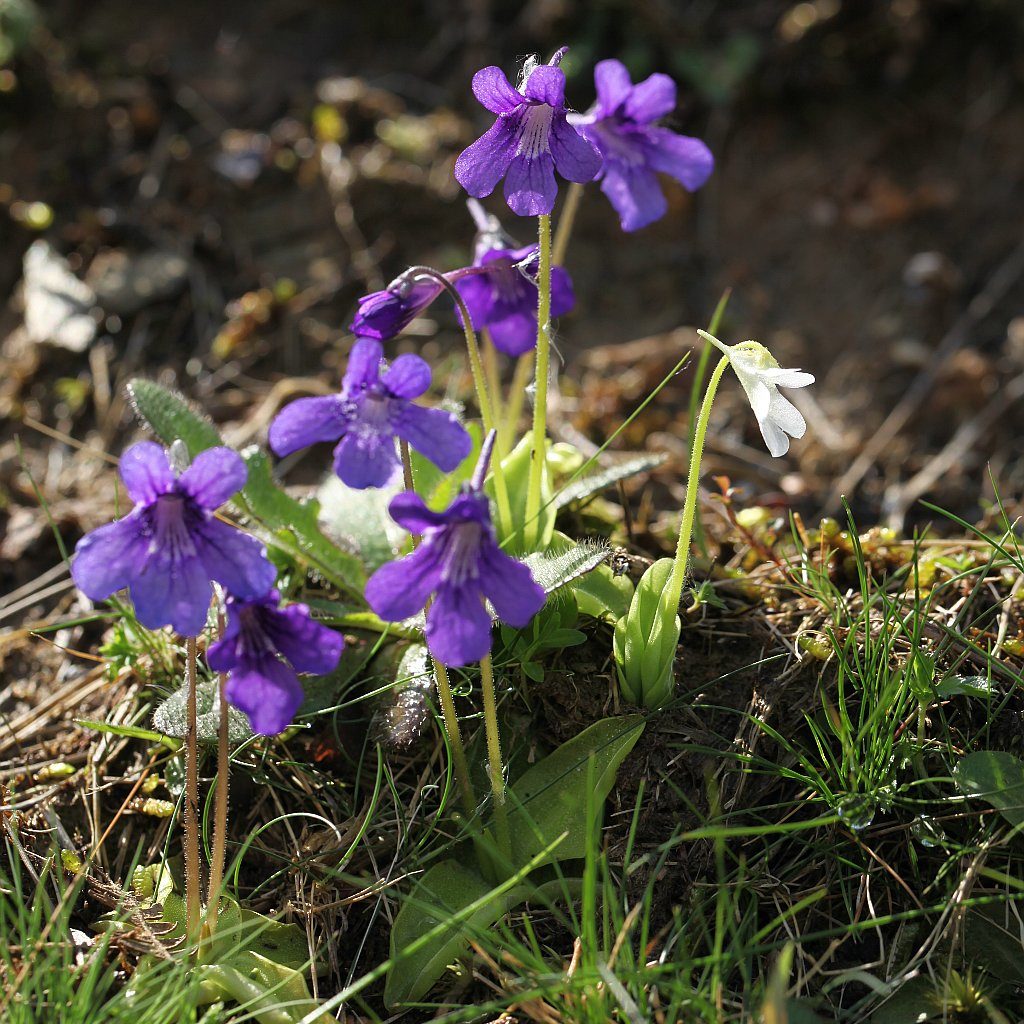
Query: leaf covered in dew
[[172, 417], [565, 562], [585, 486], [171, 719], [358, 522]]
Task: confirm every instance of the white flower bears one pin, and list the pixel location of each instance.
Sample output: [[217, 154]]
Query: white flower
[[761, 377]]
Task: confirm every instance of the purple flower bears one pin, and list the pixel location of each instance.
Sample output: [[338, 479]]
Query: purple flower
[[528, 142], [383, 315], [459, 562], [263, 648], [170, 547], [505, 298], [621, 127], [375, 406]]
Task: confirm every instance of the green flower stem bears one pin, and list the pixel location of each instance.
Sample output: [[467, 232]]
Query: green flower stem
[[451, 726], [483, 399], [495, 768], [193, 899], [565, 223], [493, 374], [460, 766], [514, 406], [540, 401], [673, 592]]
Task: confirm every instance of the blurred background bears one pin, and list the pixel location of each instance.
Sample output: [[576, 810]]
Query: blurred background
[[200, 191]]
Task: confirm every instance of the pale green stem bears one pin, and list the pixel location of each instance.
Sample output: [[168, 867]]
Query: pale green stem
[[494, 764], [516, 398], [540, 400], [476, 368], [674, 590], [493, 373], [460, 765], [487, 415], [565, 223]]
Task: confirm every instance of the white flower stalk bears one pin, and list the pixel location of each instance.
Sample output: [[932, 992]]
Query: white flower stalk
[[761, 376]]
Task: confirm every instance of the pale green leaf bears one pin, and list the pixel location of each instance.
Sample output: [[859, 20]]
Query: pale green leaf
[[549, 800]]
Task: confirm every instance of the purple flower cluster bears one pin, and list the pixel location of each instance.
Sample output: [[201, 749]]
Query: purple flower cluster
[[170, 550], [455, 567], [374, 408], [617, 142]]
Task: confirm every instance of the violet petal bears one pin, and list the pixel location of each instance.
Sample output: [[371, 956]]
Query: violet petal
[[686, 159], [172, 591], [399, 589], [650, 99], [215, 474], [494, 91], [434, 433], [363, 367], [408, 376], [146, 472], [510, 587], [235, 560], [307, 421], [309, 646], [530, 188], [483, 164], [268, 691], [106, 559], [546, 84], [458, 630], [575, 158], [612, 81], [365, 459], [635, 194]]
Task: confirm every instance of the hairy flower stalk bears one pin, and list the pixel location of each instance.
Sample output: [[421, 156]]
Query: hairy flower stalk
[[495, 765], [503, 302], [193, 898], [220, 802], [540, 403], [455, 567], [476, 366], [450, 717]]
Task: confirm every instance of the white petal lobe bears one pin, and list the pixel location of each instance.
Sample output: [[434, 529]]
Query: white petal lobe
[[786, 415]]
